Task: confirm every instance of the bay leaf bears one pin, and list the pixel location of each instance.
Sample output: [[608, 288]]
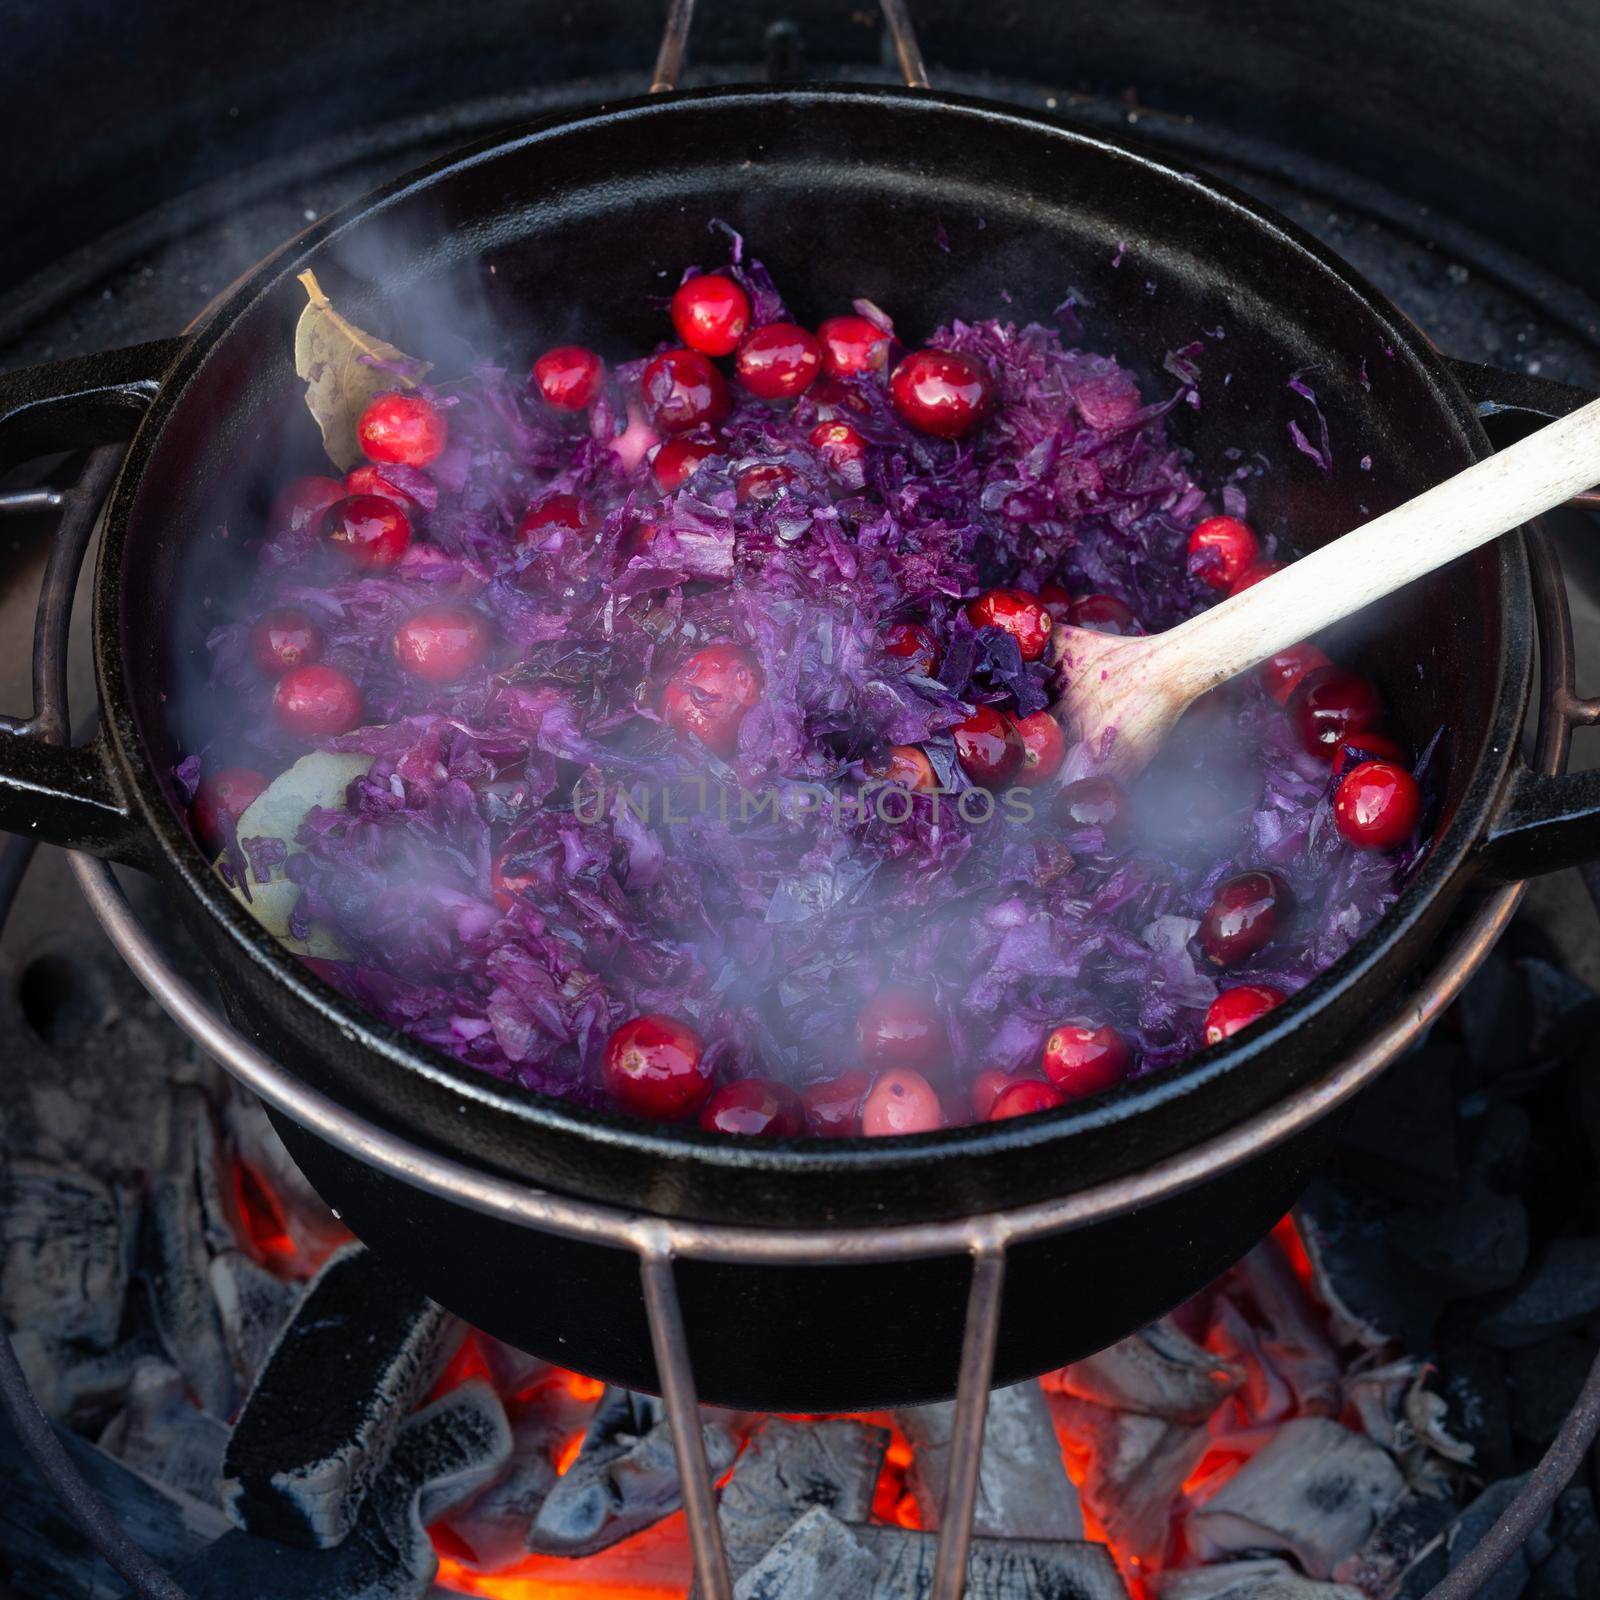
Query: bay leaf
[[318, 780], [336, 360]]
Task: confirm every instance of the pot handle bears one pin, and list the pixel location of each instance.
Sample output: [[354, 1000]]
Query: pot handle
[[49, 790], [1543, 822]]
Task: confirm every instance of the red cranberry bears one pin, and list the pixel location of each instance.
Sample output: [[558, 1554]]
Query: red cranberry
[[1330, 705], [403, 430], [753, 1106], [569, 377], [1280, 675], [682, 390], [901, 1101], [778, 361], [1103, 613], [1358, 747], [284, 638], [913, 644], [833, 1108], [441, 643], [1024, 616], [830, 397], [839, 445], [1220, 549], [506, 884], [299, 503], [708, 695], [548, 524], [655, 1066], [1056, 600], [1252, 575], [1101, 803], [711, 313], [368, 479], [909, 766], [228, 793], [988, 746], [370, 532], [314, 702], [676, 461], [940, 392], [765, 482], [1044, 748], [1023, 1097], [987, 1087], [1377, 805], [1246, 912], [1234, 1009], [852, 344], [1085, 1058], [901, 1027]]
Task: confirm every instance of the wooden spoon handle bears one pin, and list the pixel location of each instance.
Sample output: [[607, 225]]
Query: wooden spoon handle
[[1490, 498]]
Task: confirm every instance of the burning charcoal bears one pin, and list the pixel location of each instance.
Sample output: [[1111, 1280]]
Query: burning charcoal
[[788, 1467], [360, 1351], [1397, 1544], [442, 1456], [1378, 1399], [1265, 1396], [66, 1251], [491, 1530], [1160, 1372], [42, 1550], [1427, 1415], [161, 1433], [1472, 1247], [997, 1569], [1023, 1488], [253, 1304], [1293, 1342], [511, 1369], [1371, 1301], [624, 1478], [195, 1150], [177, 1260], [1248, 1580], [1562, 1292], [817, 1557], [1315, 1490], [1544, 1381], [1401, 1137], [77, 1388], [1472, 1384], [1137, 1465], [311, 1226]]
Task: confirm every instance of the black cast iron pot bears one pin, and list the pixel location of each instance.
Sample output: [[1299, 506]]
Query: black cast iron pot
[[844, 192]]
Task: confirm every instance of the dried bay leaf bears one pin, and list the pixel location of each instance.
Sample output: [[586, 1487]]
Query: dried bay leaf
[[344, 368]]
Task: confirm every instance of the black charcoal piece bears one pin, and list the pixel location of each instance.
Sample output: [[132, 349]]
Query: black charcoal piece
[[442, 1456], [1160, 1372], [163, 1434], [491, 1530], [1315, 1492], [66, 1251], [1023, 1488], [360, 1351], [788, 1467], [997, 1569], [1401, 1137], [176, 1261], [1396, 1544], [1561, 1293], [1472, 1380], [1461, 1539], [42, 1550], [1264, 1579], [624, 1477], [1137, 1465], [818, 1557], [1372, 1301], [253, 1304], [1566, 1552], [1474, 1246], [1544, 1380]]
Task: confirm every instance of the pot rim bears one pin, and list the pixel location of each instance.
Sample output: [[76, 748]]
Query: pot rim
[[1442, 870]]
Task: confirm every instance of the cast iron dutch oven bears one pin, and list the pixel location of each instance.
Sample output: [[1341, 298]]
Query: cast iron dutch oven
[[578, 224]]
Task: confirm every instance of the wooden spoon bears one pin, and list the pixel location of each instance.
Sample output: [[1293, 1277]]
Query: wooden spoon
[[1120, 697]]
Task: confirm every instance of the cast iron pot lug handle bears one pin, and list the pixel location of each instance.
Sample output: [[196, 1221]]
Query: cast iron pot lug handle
[[1543, 823], [48, 790]]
